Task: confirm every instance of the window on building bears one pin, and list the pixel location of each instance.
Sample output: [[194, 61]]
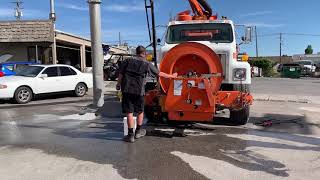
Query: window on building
[[32, 54]]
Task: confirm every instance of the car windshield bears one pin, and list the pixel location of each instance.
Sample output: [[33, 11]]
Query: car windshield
[[217, 33], [30, 71]]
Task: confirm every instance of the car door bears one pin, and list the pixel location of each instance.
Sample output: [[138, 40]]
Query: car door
[[51, 83], [68, 77]]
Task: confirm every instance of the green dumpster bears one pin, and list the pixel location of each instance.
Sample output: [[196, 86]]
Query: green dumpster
[[291, 71]]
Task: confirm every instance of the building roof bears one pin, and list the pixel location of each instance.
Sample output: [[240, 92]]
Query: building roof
[[307, 55], [72, 35], [26, 31]]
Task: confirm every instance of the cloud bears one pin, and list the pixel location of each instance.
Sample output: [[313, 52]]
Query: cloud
[[124, 8], [258, 13], [73, 7], [265, 25], [107, 7]]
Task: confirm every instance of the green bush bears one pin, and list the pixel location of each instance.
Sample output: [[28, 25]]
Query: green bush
[[265, 64]]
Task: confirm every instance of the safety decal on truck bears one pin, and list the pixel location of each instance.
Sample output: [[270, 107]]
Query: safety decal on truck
[[178, 84]]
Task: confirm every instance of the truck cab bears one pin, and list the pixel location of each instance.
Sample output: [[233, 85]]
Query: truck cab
[[218, 35]]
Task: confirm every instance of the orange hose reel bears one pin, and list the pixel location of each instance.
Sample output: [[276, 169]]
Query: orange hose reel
[[195, 94], [191, 56], [194, 99]]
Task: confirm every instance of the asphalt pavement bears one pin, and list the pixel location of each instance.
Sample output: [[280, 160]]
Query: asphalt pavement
[[303, 90], [52, 141]]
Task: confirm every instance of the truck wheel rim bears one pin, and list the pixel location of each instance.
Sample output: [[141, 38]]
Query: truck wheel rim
[[24, 95]]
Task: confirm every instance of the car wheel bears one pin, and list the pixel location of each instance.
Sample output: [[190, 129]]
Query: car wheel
[[23, 95], [80, 90]]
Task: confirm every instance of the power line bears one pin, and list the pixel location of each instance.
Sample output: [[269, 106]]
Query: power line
[[301, 34], [290, 34]]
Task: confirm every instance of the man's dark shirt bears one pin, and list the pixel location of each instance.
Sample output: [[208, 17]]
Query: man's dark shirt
[[135, 71]]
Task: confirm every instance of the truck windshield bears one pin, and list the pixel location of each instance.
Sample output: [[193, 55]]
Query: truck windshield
[[214, 32]]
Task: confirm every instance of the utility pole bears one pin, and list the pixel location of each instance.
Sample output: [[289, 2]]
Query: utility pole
[[52, 17], [97, 54], [18, 10], [256, 34], [280, 48], [119, 38], [154, 34]]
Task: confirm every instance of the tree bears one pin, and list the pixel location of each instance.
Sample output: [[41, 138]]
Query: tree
[[309, 50], [265, 64]]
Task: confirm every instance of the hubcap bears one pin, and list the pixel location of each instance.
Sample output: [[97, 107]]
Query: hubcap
[[24, 95], [81, 90]]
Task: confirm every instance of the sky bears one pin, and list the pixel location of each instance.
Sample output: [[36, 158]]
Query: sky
[[271, 18]]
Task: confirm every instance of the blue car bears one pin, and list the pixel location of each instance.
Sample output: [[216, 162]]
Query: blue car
[[11, 68]]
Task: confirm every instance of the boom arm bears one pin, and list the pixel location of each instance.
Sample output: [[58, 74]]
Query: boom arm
[[201, 9]]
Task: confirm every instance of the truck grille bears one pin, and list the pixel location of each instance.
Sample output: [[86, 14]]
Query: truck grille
[[223, 58]]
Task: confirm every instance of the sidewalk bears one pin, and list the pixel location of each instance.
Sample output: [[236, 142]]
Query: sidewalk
[[286, 98]]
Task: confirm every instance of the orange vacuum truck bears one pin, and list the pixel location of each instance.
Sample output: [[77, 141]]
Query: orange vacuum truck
[[195, 95]]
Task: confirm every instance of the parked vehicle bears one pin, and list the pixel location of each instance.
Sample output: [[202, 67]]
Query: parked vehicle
[[279, 68], [292, 70], [112, 65], [308, 67], [11, 68], [203, 50], [44, 79]]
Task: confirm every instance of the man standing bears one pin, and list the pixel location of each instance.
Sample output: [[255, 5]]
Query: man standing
[[131, 81]]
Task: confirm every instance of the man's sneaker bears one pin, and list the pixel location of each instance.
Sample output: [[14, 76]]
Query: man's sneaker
[[129, 138], [140, 133]]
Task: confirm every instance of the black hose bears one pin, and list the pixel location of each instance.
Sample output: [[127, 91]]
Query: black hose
[[206, 6]]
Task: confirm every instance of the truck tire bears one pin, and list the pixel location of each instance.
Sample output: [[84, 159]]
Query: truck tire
[[23, 95], [242, 88], [240, 117], [154, 114]]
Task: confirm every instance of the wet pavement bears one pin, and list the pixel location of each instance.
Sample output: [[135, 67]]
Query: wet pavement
[[54, 142]]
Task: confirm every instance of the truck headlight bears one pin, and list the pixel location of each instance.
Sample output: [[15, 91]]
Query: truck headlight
[[2, 86], [239, 74]]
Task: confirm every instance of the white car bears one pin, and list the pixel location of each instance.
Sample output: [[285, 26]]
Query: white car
[[308, 67], [44, 79]]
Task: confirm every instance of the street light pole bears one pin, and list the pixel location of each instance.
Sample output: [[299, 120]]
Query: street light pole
[[97, 53], [256, 34]]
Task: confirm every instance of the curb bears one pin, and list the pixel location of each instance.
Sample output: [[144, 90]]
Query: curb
[[287, 98]]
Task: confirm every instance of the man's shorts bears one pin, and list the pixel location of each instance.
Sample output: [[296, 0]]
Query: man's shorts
[[132, 103]]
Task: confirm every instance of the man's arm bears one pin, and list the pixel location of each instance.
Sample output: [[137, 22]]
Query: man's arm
[[155, 71], [165, 75]]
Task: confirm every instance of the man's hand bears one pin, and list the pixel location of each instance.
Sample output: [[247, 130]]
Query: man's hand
[[174, 75]]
